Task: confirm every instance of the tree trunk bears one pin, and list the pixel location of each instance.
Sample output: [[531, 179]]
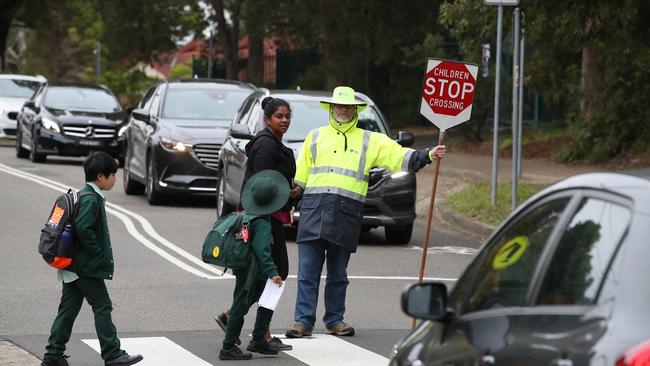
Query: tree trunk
[[587, 73], [255, 70], [7, 11], [229, 36]]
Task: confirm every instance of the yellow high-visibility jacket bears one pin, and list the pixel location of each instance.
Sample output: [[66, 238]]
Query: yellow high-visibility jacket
[[331, 161]]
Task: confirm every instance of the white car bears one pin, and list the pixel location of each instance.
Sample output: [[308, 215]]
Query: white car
[[15, 90]]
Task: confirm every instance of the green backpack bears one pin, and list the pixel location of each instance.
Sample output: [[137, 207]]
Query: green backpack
[[226, 245]]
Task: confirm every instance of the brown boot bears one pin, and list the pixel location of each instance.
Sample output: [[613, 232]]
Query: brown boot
[[298, 330], [340, 329]]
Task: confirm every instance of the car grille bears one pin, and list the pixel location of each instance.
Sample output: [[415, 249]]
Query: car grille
[[89, 132], [208, 154], [10, 131]]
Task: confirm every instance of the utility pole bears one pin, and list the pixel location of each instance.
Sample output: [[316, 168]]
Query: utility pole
[[98, 60], [515, 107], [210, 56]]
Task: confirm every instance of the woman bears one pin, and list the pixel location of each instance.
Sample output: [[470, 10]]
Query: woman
[[266, 151]]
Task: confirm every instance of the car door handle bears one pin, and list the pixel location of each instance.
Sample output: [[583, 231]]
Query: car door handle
[[487, 360]]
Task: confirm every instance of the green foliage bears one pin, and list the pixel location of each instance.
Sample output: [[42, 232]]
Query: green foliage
[[475, 200], [183, 70], [605, 110], [127, 85]]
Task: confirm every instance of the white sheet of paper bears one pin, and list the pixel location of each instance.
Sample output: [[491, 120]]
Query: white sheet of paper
[[271, 295]]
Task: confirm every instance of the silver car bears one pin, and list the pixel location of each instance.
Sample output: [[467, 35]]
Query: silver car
[[15, 90]]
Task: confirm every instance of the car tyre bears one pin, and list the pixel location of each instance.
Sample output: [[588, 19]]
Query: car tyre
[[34, 155], [131, 187], [154, 196], [21, 152], [223, 207], [399, 234]]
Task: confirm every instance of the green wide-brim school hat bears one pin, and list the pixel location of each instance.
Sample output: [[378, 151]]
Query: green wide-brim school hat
[[265, 192], [343, 95]]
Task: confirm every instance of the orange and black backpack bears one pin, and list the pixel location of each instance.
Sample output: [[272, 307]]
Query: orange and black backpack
[[58, 244]]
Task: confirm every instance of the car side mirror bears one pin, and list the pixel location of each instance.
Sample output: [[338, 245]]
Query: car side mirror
[[405, 138], [141, 115], [426, 300], [240, 131]]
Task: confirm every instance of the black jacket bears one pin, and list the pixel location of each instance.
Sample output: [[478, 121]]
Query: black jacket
[[264, 152]]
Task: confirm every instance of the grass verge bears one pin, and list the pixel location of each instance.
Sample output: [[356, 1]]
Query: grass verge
[[475, 200]]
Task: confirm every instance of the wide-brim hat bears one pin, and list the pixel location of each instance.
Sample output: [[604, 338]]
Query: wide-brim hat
[[265, 192], [343, 95]]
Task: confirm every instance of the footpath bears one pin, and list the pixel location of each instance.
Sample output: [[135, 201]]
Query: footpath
[[457, 170]]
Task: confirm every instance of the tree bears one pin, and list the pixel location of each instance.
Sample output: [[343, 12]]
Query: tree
[[7, 11], [229, 33]]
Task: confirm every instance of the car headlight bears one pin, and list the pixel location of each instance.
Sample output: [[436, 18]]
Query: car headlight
[[121, 131], [398, 175], [50, 125], [170, 144]]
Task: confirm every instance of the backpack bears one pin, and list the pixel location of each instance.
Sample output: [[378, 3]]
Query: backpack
[[226, 245], [57, 244]]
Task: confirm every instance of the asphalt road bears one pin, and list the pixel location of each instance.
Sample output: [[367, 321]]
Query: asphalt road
[[165, 298]]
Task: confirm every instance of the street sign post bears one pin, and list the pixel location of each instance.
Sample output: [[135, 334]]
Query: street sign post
[[446, 101]]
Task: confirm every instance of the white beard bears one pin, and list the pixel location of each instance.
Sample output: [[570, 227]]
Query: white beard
[[341, 119]]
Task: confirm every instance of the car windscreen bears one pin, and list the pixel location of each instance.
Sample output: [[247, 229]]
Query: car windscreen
[[14, 88], [203, 104], [81, 99], [307, 115]]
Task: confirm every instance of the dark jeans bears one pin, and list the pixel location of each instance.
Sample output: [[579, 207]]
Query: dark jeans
[[311, 256], [73, 294], [242, 301], [279, 248]]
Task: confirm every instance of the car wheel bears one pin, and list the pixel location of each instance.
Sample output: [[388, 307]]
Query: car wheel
[[21, 152], [154, 196], [34, 155], [399, 234], [223, 208], [131, 187]]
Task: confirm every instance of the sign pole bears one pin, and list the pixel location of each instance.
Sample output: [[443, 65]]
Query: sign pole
[[520, 116], [497, 89], [515, 109], [425, 246]]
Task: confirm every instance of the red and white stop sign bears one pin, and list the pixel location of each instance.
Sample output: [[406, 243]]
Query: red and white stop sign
[[448, 92]]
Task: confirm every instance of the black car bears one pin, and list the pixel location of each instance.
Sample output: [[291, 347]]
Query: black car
[[70, 120], [390, 201], [559, 282], [174, 137]]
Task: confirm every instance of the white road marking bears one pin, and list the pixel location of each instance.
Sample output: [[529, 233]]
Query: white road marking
[[130, 226], [121, 213], [156, 351], [327, 350], [448, 250]]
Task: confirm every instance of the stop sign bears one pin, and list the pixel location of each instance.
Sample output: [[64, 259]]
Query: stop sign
[[448, 92]]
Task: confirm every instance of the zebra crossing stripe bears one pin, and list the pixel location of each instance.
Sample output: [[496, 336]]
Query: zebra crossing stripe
[[157, 351], [328, 350]]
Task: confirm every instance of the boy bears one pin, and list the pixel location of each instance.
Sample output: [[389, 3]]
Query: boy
[[263, 194], [92, 264]]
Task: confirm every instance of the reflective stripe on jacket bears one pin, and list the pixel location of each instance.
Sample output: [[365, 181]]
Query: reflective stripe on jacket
[[333, 162]]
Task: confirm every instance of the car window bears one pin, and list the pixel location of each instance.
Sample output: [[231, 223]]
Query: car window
[[509, 261], [155, 103], [38, 97], [584, 253], [203, 104], [16, 88], [85, 99], [245, 111], [145, 102], [255, 120]]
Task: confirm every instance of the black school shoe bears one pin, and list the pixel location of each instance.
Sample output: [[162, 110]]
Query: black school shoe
[[222, 321], [124, 360], [56, 361], [262, 347], [234, 354], [276, 344]]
